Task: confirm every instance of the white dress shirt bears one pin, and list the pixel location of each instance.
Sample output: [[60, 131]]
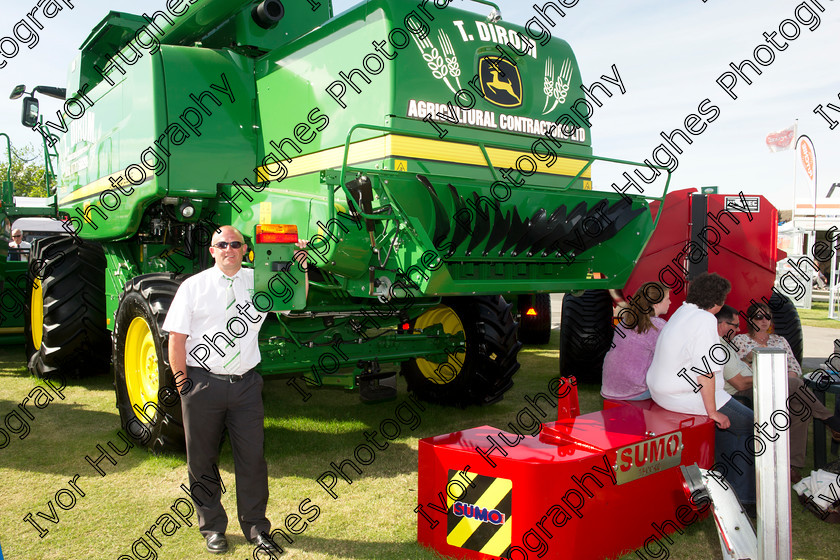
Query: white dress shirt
[[198, 310], [686, 342]]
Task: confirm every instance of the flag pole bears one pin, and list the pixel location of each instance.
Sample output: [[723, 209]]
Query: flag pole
[[796, 140], [813, 152]]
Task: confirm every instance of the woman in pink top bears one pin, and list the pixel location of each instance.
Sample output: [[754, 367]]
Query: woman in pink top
[[634, 340]]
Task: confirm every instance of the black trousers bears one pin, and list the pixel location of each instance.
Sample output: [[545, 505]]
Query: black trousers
[[210, 406]]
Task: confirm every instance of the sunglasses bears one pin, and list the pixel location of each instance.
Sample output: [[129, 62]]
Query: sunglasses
[[224, 244], [17, 236], [760, 317]]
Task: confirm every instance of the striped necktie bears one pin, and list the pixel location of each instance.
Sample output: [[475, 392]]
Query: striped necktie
[[232, 364]]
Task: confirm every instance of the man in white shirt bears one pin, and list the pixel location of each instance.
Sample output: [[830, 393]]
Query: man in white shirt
[[213, 327], [685, 377], [19, 246]]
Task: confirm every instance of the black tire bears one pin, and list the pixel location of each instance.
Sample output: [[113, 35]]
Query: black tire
[[535, 329], [586, 333], [786, 322], [64, 326], [35, 273], [483, 373], [148, 398]]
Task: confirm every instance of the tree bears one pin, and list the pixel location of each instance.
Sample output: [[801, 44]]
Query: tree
[[27, 171]]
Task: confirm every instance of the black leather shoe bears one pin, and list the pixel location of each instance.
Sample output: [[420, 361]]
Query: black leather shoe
[[216, 543], [264, 542]]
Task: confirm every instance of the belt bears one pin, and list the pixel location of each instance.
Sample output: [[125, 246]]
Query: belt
[[228, 378]]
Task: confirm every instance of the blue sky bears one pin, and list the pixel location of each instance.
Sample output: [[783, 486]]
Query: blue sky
[[668, 53]]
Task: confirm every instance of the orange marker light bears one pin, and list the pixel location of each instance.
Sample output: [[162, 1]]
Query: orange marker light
[[532, 312], [277, 233]]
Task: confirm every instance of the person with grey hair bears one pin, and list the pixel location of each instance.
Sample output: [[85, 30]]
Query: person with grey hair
[[18, 248]]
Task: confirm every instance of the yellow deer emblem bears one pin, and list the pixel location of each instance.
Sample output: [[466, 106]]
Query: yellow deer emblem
[[505, 85], [501, 83]]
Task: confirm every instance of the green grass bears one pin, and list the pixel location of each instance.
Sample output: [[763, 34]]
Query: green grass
[[372, 518], [817, 316]]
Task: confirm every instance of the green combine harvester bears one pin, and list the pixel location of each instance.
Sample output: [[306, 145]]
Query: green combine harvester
[[412, 142]]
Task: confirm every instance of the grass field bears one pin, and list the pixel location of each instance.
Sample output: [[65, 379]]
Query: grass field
[[372, 518], [817, 316]]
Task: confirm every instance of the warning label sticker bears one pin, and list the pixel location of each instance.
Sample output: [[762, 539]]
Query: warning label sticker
[[479, 516]]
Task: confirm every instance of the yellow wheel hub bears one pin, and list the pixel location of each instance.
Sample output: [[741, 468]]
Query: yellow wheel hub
[[36, 314], [444, 372], [141, 364]]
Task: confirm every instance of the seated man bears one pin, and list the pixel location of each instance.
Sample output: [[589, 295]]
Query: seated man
[[802, 404], [683, 378]]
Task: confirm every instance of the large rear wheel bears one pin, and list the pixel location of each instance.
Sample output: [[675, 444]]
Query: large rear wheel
[[786, 322], [64, 322], [586, 333], [484, 371], [148, 397]]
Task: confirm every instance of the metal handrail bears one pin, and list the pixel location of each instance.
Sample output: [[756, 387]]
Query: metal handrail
[[9, 152], [482, 145]]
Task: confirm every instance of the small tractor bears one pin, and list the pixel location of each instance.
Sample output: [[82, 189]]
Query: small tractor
[[415, 144], [18, 213]]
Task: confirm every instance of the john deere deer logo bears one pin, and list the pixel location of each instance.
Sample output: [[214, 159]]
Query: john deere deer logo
[[500, 82]]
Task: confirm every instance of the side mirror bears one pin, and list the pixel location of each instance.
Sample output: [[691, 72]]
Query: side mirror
[[58, 93], [18, 92], [29, 118]]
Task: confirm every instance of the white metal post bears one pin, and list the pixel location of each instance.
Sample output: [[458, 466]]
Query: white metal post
[[832, 288], [770, 391]]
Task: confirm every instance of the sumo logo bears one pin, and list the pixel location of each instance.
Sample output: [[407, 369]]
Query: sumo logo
[[648, 457], [472, 511], [500, 81], [649, 451]]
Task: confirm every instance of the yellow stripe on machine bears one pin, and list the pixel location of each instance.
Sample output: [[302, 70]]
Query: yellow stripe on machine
[[100, 185], [265, 212], [396, 146], [374, 149]]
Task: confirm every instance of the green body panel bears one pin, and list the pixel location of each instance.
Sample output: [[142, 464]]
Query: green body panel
[[339, 347], [123, 264], [165, 105]]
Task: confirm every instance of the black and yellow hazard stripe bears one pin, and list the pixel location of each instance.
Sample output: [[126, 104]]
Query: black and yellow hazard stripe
[[485, 492], [427, 149]]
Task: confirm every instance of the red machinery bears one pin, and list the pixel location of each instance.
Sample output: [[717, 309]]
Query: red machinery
[[591, 486], [733, 235]]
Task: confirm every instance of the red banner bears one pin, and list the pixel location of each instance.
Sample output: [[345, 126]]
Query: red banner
[[781, 140]]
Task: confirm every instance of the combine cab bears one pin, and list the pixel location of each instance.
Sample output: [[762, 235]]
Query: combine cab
[[417, 147]]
